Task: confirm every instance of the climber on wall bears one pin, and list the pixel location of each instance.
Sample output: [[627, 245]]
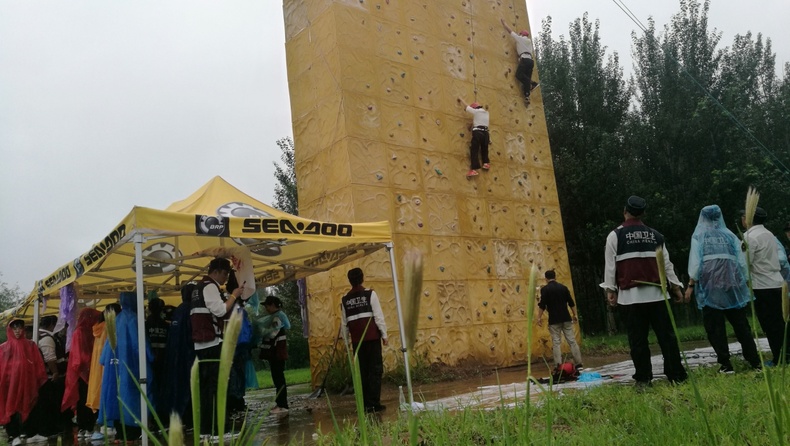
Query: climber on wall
[[525, 62], [480, 138]]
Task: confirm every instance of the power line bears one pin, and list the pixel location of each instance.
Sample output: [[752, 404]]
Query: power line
[[774, 159]]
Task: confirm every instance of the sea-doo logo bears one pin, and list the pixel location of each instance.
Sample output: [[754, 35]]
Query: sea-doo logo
[[101, 249], [78, 267], [244, 210], [211, 225], [284, 226], [159, 258], [61, 275]]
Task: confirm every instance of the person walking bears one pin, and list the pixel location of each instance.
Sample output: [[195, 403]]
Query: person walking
[[274, 348], [556, 299], [363, 320], [630, 259], [717, 272], [480, 138], [526, 63]]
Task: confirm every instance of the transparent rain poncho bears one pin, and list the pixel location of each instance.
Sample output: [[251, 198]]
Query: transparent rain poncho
[[717, 263]]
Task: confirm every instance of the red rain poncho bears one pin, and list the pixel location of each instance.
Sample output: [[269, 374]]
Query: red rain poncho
[[21, 375], [80, 356]]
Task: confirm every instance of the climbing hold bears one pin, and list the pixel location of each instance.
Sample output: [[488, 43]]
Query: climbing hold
[[403, 75], [441, 268], [427, 161], [518, 288], [394, 156], [471, 56], [400, 53], [417, 201], [488, 269], [419, 224], [438, 172], [400, 198], [379, 176], [484, 247], [430, 317], [370, 107], [485, 303]]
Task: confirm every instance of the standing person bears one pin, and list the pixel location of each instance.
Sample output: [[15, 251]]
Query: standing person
[[47, 413], [764, 263], [363, 320], [78, 372], [22, 374], [717, 272], [556, 299], [207, 310], [480, 137], [95, 398], [156, 332], [525, 61], [179, 357], [630, 256], [274, 348]]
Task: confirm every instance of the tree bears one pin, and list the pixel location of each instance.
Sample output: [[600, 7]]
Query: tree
[[9, 296], [285, 194], [586, 102]]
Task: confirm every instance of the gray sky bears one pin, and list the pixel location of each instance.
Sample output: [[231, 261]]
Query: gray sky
[[108, 105]]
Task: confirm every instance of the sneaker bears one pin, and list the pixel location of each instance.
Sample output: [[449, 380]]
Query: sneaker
[[228, 437], [37, 439], [108, 431], [486, 166], [726, 370], [471, 173], [642, 386], [277, 410], [534, 85], [375, 408], [16, 441], [579, 367], [97, 436]]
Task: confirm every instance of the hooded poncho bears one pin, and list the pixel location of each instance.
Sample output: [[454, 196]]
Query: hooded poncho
[[717, 263], [79, 366], [21, 375]]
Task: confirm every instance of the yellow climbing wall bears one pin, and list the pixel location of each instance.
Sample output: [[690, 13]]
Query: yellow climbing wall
[[380, 135]]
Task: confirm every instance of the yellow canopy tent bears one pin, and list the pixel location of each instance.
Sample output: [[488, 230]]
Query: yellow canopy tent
[[160, 250]]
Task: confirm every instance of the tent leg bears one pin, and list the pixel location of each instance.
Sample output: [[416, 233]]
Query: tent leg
[[401, 329], [138, 267], [36, 317]]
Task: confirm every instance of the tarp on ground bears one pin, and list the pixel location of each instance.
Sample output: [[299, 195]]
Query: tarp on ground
[[284, 247]]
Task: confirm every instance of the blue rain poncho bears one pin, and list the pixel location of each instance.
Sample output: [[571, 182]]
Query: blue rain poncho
[[118, 383], [717, 263]]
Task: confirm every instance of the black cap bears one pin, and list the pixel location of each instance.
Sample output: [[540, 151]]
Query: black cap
[[760, 215], [635, 205]]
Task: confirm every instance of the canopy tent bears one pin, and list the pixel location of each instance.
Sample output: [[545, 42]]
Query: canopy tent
[[160, 250]]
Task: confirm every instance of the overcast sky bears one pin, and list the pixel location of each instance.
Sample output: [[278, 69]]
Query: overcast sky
[[108, 105]]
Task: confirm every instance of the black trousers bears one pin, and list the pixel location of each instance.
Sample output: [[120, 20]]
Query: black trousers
[[713, 319], [209, 374], [277, 367], [86, 418], [15, 427], [46, 417], [371, 368], [639, 318], [524, 74], [768, 306], [479, 148]]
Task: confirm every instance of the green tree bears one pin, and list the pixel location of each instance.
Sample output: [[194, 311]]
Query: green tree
[[10, 296], [586, 102]]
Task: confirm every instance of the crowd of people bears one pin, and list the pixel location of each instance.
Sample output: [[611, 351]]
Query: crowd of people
[[84, 381], [721, 268]]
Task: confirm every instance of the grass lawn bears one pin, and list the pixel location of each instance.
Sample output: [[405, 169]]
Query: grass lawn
[[293, 376]]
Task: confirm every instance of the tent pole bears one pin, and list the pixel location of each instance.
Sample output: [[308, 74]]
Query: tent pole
[[36, 317], [401, 329], [141, 350]]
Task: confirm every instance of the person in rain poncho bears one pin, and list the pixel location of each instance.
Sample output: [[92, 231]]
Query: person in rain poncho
[[22, 374], [78, 371], [717, 271]]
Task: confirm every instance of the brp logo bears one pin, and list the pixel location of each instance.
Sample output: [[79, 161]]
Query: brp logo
[[78, 267], [159, 258], [211, 225], [244, 210]]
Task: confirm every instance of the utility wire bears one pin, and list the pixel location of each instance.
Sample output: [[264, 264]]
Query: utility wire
[[774, 159]]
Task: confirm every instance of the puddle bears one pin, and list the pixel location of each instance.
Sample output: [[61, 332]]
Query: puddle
[[505, 386]]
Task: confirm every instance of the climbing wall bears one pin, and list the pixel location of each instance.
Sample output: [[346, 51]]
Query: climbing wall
[[380, 135]]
